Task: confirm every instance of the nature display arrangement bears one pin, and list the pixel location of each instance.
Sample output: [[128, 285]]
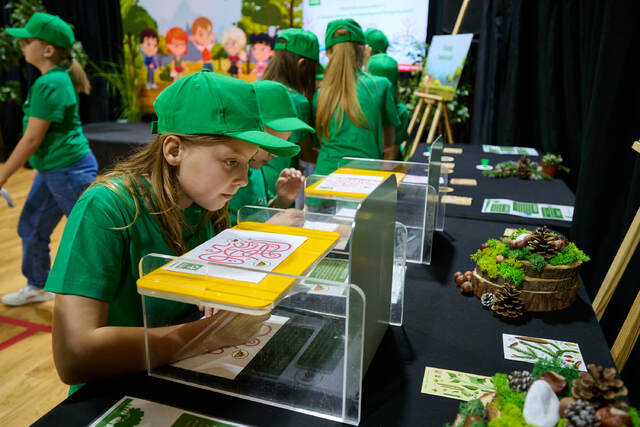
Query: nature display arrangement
[[551, 395], [527, 271]]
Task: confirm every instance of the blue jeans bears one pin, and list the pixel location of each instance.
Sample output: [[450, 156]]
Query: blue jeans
[[52, 195]]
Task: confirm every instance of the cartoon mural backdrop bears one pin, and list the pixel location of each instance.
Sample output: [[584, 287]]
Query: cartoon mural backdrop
[[167, 39]]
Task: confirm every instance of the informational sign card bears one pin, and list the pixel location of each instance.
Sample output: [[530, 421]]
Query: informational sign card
[[503, 149], [349, 183], [238, 248], [454, 384], [445, 61], [528, 209], [529, 349]]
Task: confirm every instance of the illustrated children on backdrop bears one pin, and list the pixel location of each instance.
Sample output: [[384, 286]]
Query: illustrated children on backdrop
[[168, 198], [235, 41], [355, 111], [261, 52], [52, 142], [149, 50], [176, 42], [203, 38], [279, 117]]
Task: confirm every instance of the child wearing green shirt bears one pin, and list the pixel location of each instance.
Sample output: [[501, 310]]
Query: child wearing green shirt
[[52, 142], [355, 111], [168, 198], [279, 117]]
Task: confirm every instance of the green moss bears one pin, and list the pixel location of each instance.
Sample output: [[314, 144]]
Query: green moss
[[537, 261], [517, 253], [512, 269], [568, 255], [472, 407], [505, 394], [570, 373], [478, 424], [486, 258], [562, 422], [635, 419], [510, 416]]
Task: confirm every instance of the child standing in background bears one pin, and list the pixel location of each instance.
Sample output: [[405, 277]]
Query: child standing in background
[[168, 198], [294, 64], [385, 66], [376, 42], [279, 117], [355, 112], [52, 142]]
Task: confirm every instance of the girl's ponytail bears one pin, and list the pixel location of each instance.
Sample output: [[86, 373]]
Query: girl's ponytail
[[76, 72]]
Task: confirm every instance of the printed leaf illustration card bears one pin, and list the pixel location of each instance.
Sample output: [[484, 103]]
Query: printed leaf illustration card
[[454, 384], [529, 349], [238, 248], [228, 362]]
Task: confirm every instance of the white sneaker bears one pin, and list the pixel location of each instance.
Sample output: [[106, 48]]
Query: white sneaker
[[27, 295]]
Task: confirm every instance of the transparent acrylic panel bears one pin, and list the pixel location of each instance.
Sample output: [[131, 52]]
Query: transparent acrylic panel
[[399, 273], [440, 214], [310, 354]]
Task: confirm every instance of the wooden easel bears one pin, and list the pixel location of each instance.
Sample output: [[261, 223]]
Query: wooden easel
[[428, 101], [630, 330]]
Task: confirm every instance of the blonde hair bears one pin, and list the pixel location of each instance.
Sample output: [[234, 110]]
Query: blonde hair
[[236, 34], [338, 92], [62, 57], [150, 162]]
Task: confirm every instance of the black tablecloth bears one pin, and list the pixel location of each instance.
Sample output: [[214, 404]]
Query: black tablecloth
[[555, 192], [442, 328]]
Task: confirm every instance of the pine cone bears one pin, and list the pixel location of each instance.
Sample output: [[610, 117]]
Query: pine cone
[[581, 414], [508, 303], [524, 168], [487, 299], [599, 387], [543, 242], [520, 380]]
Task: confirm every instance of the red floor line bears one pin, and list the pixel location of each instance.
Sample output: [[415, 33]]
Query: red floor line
[[17, 338], [25, 324]]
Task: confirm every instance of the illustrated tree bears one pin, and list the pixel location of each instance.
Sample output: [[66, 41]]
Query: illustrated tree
[[293, 12], [259, 15], [218, 53]]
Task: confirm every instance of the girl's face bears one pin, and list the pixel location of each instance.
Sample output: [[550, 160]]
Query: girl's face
[[210, 175], [262, 157], [33, 50], [177, 47]]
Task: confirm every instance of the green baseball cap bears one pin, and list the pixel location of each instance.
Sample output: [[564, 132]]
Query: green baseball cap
[[207, 103], [300, 42], [354, 34], [383, 65], [49, 28], [276, 107], [376, 39]]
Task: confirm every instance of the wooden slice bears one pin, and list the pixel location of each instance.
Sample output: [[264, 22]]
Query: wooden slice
[[552, 271], [532, 300], [533, 283]]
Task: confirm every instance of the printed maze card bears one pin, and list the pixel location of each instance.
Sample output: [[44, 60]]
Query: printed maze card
[[238, 248], [528, 209], [503, 149], [528, 349], [131, 411], [349, 183], [454, 384], [228, 362]]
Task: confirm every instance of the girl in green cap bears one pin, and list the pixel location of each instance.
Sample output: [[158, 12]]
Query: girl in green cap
[[355, 111], [168, 198], [52, 143]]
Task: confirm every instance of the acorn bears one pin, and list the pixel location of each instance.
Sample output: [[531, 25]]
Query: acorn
[[499, 258], [460, 280], [564, 405], [466, 288], [558, 383], [513, 244], [468, 275], [484, 246], [612, 417]]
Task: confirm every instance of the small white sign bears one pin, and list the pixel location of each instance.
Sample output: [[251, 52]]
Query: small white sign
[[349, 183]]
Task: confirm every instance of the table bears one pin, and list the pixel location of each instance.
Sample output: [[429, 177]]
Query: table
[[442, 328]]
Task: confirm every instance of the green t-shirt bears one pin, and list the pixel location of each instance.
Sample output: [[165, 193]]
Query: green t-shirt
[[277, 164], [53, 97], [254, 193], [401, 129], [377, 101]]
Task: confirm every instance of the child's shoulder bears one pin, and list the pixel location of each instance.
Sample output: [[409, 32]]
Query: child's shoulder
[[57, 81], [110, 195]]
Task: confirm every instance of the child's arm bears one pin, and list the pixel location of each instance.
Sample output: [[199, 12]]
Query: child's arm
[[388, 139], [28, 144], [288, 186], [84, 349]]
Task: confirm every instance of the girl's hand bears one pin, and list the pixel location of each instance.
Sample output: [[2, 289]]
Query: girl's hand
[[288, 186], [207, 311]]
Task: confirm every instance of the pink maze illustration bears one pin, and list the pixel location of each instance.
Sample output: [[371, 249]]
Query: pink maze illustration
[[240, 252]]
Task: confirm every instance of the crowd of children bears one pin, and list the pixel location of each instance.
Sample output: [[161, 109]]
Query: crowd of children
[[221, 144]]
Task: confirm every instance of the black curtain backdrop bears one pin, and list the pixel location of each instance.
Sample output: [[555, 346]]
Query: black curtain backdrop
[[562, 76], [98, 25]]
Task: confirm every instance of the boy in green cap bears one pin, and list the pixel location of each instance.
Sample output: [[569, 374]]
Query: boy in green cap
[[168, 198], [52, 143], [355, 111], [376, 42], [385, 66]]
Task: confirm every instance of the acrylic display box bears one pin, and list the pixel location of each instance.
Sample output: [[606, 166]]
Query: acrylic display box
[[336, 311], [419, 208]]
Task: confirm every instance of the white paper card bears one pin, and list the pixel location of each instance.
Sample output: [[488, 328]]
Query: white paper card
[[416, 179], [503, 149], [317, 225], [346, 212], [349, 183], [528, 349], [228, 362], [528, 209], [238, 248]]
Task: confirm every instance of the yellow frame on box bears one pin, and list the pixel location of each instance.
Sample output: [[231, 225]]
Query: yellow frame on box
[[312, 189], [254, 296]]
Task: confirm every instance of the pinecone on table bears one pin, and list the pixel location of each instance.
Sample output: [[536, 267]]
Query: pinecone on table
[[581, 414], [508, 303], [487, 299], [524, 168], [543, 242], [599, 387], [520, 380]]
